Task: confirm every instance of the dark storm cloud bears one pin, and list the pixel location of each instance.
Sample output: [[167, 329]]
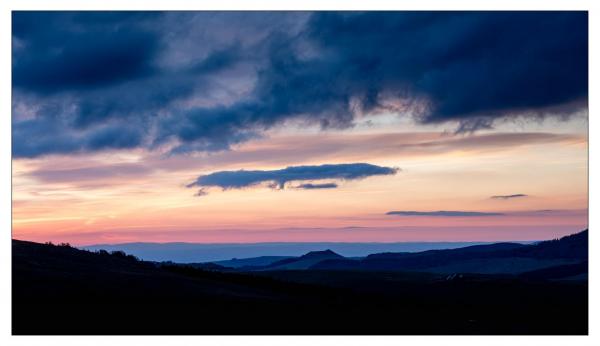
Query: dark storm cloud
[[279, 177], [286, 88], [469, 65], [66, 51], [32, 138], [442, 213], [518, 195], [204, 81], [218, 60]]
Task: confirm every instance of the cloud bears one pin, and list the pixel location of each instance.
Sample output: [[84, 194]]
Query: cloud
[[443, 213], [98, 172], [278, 178], [304, 149], [36, 137], [157, 79], [81, 50], [201, 192], [518, 195], [467, 65], [317, 186]]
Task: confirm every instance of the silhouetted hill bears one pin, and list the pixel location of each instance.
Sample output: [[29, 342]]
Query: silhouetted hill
[[295, 263], [62, 290], [507, 258], [465, 252], [573, 246], [80, 273], [321, 255], [199, 252], [577, 271], [252, 261], [203, 266]]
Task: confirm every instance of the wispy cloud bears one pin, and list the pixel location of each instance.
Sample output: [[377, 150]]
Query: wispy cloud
[[518, 195], [201, 192], [277, 151], [443, 213], [279, 177], [317, 186], [94, 172]]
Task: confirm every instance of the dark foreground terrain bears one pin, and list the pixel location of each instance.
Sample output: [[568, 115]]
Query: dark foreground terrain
[[63, 290]]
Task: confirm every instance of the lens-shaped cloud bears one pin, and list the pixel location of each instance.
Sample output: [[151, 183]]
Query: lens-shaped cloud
[[518, 195], [310, 186], [279, 177], [450, 213]]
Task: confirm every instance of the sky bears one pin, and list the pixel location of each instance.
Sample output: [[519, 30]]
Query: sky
[[244, 127]]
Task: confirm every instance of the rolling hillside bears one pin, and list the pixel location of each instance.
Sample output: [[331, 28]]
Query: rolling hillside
[[500, 258], [63, 290]]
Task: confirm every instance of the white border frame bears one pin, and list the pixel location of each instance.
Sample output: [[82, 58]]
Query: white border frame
[[7, 6]]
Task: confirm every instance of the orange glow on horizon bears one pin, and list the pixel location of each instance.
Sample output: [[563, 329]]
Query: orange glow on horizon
[[140, 196]]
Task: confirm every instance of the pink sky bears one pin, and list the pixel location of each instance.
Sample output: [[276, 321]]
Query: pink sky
[[138, 195], [298, 126]]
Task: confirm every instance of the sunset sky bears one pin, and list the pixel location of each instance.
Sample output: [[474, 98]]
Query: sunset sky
[[223, 127]]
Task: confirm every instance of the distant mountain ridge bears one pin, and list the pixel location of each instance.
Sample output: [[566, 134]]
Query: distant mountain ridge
[[489, 259], [496, 258], [559, 257], [305, 261], [252, 261], [198, 252]]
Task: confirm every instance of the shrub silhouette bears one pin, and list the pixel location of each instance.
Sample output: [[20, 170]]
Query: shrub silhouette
[[132, 258], [119, 253]]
